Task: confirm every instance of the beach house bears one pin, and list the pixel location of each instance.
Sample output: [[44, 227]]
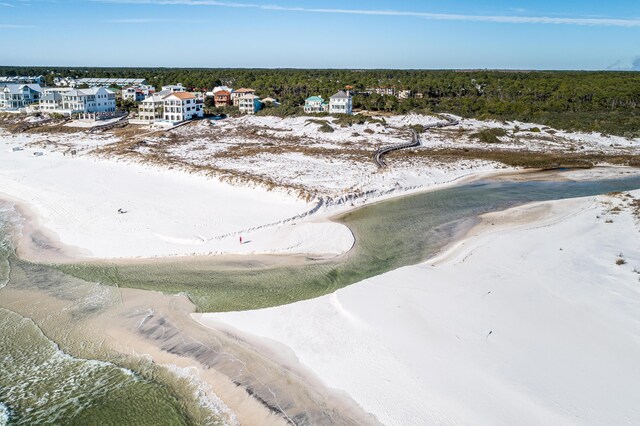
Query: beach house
[[270, 101], [93, 100], [174, 88], [152, 107], [249, 103], [237, 94], [182, 106], [16, 96], [51, 101], [341, 103], [315, 104], [222, 98], [137, 93]]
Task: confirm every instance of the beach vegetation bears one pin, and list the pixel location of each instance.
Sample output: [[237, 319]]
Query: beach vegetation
[[489, 135]]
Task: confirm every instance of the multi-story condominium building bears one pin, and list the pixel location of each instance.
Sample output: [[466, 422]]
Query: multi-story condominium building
[[182, 106], [94, 100], [106, 82], [137, 93], [237, 94], [22, 79], [16, 96], [315, 104], [341, 103], [222, 98], [249, 103]]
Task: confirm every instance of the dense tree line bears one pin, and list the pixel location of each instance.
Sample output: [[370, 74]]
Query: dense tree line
[[605, 102]]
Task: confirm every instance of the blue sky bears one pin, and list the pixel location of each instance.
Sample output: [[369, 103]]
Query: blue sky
[[513, 34]]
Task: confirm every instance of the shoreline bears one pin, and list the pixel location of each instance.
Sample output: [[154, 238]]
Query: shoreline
[[446, 310], [53, 250], [164, 212], [123, 339], [38, 243]]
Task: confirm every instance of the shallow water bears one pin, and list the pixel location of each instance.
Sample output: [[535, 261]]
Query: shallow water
[[389, 235], [41, 383]]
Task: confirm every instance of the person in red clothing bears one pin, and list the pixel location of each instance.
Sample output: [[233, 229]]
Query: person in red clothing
[[240, 239]]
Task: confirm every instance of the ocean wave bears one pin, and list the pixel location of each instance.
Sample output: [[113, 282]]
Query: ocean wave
[[204, 394], [4, 415]]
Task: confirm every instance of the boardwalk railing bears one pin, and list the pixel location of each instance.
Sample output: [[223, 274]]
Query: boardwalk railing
[[415, 140], [121, 122]]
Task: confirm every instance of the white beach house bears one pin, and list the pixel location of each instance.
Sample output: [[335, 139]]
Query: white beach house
[[93, 100], [137, 93], [182, 106], [16, 96], [315, 104], [174, 88], [152, 107], [249, 103], [341, 103], [51, 101]]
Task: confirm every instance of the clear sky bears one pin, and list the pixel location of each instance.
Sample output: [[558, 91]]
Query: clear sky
[[514, 34]]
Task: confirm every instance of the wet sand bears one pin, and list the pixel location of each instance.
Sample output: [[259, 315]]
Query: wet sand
[[247, 378], [255, 388]]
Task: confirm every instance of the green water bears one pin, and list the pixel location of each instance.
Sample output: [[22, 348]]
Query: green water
[[389, 235], [40, 383]]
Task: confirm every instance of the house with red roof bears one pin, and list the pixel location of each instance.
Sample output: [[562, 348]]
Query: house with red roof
[[182, 106]]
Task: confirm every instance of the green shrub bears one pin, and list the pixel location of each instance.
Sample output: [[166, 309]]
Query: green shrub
[[325, 128], [418, 128], [489, 135]]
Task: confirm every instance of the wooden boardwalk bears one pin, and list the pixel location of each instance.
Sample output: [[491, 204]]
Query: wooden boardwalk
[[415, 141]]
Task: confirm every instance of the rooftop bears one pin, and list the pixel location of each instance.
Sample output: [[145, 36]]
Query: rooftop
[[112, 80], [182, 95], [340, 95], [17, 88]]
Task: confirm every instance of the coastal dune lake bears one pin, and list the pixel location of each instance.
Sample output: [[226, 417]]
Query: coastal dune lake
[[55, 366]]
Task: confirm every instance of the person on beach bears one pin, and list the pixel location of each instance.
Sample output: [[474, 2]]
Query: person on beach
[[240, 239]]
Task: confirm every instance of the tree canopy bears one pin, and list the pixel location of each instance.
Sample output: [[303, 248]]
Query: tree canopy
[[604, 102]]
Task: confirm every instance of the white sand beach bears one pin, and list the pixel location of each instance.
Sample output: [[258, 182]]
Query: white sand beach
[[526, 320], [534, 318], [166, 212], [106, 208]]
